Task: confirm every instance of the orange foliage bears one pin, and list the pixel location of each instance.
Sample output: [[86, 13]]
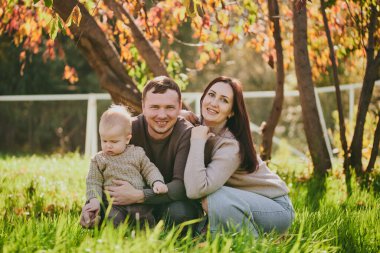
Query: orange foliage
[[214, 23], [70, 75]]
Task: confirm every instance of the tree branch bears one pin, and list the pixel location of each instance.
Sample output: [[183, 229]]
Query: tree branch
[[101, 55], [145, 48]]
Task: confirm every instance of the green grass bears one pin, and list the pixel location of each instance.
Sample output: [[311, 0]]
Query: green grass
[[41, 199]]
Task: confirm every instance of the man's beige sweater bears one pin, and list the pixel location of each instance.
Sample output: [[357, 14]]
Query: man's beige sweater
[[215, 163], [132, 166]]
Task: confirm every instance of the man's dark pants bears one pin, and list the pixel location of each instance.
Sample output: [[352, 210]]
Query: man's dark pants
[[173, 213]]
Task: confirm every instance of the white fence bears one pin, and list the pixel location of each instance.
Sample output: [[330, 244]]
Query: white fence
[[91, 142]]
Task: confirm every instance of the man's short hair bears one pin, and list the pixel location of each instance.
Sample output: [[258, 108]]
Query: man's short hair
[[161, 84], [117, 115]]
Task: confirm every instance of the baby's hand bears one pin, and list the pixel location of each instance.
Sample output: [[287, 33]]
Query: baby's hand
[[90, 212], [93, 205], [159, 187]]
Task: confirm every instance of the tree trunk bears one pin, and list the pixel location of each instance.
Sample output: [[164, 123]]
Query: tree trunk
[[143, 45], [102, 56], [313, 129], [145, 48], [364, 101], [370, 76], [270, 125], [342, 128], [375, 147]]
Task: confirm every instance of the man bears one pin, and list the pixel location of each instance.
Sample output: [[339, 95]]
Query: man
[[166, 140]]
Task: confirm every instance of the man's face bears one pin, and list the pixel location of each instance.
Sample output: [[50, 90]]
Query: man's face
[[161, 112]]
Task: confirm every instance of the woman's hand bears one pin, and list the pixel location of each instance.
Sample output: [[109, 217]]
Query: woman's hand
[[201, 132], [124, 193]]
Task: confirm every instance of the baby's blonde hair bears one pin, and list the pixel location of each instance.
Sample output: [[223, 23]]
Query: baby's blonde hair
[[117, 115]]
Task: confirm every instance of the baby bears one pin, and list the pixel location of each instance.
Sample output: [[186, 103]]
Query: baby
[[119, 161]]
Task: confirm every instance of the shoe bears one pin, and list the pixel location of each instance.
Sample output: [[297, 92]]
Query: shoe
[[202, 226]]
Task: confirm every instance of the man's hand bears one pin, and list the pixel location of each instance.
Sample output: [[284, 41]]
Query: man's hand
[[190, 116], [159, 187], [89, 217], [124, 193]]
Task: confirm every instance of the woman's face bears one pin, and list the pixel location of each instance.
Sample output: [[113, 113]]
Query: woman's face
[[217, 104]]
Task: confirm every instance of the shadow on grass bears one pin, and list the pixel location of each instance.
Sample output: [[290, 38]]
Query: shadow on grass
[[316, 189], [376, 184]]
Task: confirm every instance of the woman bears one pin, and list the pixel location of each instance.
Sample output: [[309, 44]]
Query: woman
[[223, 169]]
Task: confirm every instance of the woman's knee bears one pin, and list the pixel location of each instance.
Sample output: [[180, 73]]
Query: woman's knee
[[226, 205]]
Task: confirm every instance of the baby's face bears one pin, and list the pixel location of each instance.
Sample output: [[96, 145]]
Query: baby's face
[[114, 140]]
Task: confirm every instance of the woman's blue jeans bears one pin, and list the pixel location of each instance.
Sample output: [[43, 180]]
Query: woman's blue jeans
[[238, 208]]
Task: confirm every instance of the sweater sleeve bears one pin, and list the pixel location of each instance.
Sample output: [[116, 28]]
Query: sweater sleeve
[[94, 180], [200, 179], [181, 155], [176, 191]]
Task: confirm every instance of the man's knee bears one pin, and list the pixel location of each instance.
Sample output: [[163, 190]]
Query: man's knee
[[181, 211], [116, 216]]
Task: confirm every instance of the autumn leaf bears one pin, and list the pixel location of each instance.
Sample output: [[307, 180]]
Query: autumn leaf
[[189, 8], [70, 74], [180, 13], [22, 56], [54, 25], [222, 18], [199, 9], [194, 8], [48, 3], [22, 68], [76, 15], [271, 61]]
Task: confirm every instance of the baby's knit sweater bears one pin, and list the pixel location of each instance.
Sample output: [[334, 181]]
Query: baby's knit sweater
[[132, 166]]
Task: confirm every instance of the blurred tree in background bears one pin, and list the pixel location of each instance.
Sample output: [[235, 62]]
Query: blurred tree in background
[[41, 75], [43, 127]]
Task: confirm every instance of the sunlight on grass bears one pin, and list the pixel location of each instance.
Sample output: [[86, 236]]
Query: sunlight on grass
[[41, 199]]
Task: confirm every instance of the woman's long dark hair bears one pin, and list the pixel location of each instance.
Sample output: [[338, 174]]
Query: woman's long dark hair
[[238, 123]]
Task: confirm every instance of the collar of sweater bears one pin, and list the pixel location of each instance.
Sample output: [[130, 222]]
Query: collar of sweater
[[219, 129]]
